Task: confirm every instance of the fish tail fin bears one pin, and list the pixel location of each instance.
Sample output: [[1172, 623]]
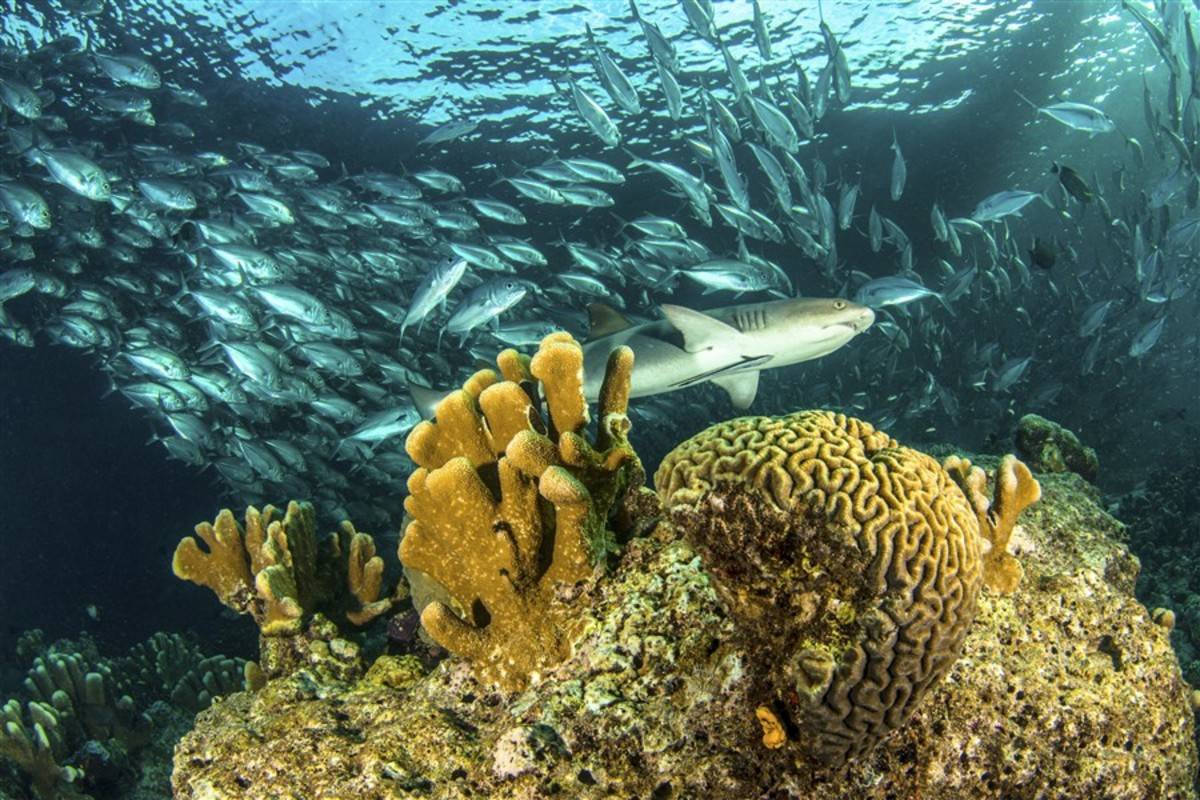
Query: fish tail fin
[[183, 292], [29, 148], [1032, 104], [637, 17], [669, 278], [945, 303]]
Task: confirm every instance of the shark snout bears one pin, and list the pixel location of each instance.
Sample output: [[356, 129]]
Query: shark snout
[[856, 318]]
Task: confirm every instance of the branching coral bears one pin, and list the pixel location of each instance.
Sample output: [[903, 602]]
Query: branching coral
[[167, 667], [276, 569], [1015, 489], [511, 506], [34, 744], [79, 730], [83, 698], [70, 703], [851, 563]]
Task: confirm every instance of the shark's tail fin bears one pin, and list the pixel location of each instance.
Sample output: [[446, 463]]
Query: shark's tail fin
[[425, 399]]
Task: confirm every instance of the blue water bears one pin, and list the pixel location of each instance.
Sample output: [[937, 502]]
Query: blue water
[[362, 83]]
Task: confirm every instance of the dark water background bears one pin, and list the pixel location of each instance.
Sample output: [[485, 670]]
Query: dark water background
[[92, 513]]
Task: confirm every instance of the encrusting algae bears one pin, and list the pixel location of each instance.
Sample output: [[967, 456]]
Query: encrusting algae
[[511, 508]]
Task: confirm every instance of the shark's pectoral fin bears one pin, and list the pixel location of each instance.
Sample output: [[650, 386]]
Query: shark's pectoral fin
[[741, 386], [700, 331]]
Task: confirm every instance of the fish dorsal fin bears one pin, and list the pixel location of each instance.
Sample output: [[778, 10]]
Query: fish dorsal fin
[[741, 386], [700, 331], [604, 320]]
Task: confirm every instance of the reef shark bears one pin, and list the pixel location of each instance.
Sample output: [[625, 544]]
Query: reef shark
[[728, 346]]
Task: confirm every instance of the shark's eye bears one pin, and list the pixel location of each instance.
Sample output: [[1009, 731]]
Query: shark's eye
[[839, 304]]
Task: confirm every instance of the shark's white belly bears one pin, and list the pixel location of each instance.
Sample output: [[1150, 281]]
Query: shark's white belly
[[658, 366]]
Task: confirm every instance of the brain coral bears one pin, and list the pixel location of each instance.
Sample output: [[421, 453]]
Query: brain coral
[[851, 561]]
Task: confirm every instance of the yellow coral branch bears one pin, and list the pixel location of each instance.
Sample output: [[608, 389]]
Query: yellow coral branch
[[279, 571], [1015, 490], [224, 568], [502, 540]]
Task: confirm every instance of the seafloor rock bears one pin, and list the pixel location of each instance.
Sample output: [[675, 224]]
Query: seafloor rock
[[1064, 689], [1047, 446]]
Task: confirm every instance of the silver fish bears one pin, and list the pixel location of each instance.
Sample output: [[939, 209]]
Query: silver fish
[[597, 118], [1077, 116], [485, 303], [899, 170], [129, 70], [1147, 337], [433, 290]]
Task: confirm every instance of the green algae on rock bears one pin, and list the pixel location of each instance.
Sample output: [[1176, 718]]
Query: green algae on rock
[[1047, 446]]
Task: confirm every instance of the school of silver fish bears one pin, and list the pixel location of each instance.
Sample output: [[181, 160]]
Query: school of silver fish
[[275, 315]]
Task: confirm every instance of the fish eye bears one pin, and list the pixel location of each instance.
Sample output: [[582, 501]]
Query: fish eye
[[839, 304]]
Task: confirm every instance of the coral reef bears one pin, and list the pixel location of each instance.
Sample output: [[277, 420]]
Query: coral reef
[[512, 509], [1047, 446], [93, 727], [169, 668], [851, 563], [1063, 687], [278, 571]]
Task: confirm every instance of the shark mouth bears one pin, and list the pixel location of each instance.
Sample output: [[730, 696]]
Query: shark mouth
[[746, 362]]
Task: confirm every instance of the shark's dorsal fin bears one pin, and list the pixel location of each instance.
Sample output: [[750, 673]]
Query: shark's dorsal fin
[[700, 331], [742, 387], [604, 320]]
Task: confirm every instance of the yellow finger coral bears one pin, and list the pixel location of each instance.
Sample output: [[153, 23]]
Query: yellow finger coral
[[509, 505], [849, 562], [1016, 488], [364, 576], [277, 570]]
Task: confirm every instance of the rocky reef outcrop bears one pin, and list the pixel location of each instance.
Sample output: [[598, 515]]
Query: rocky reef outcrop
[[808, 552], [1047, 446]]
